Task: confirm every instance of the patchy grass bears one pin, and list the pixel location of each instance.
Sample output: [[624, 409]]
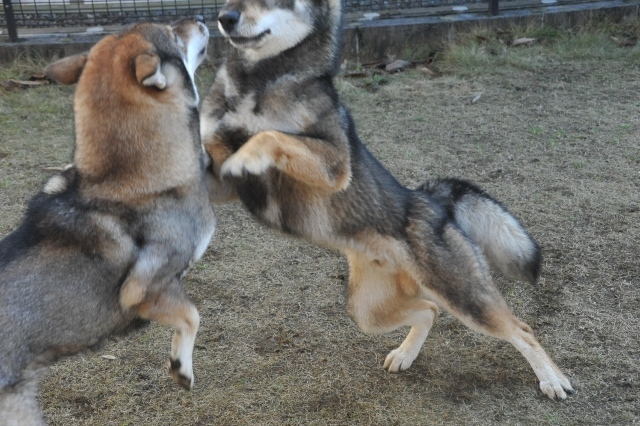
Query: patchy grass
[[22, 68], [489, 51], [554, 136]]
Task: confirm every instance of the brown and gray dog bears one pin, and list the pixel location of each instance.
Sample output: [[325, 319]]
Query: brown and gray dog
[[282, 142], [109, 239]]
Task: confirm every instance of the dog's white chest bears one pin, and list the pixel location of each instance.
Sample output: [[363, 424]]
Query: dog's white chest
[[205, 239]]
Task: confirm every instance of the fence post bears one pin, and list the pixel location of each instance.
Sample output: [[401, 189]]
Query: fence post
[[493, 7], [11, 20]]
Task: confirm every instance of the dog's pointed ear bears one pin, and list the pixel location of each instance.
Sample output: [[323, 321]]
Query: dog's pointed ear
[[67, 70], [148, 71]]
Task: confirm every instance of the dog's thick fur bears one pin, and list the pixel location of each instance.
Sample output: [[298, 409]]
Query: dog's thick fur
[[108, 239], [283, 143]]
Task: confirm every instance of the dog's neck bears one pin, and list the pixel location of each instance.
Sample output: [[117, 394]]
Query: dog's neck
[[125, 158]]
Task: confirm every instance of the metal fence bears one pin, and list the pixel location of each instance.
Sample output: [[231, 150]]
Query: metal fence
[[91, 13], [65, 13]]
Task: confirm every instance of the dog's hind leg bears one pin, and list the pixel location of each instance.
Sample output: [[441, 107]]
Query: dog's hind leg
[[457, 276], [384, 297], [169, 305], [18, 403], [19, 408], [553, 382], [499, 322]]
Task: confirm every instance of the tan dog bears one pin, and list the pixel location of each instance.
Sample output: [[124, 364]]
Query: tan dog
[[283, 143], [109, 239]]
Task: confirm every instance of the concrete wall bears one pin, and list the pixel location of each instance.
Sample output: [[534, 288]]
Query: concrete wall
[[375, 40], [370, 41]]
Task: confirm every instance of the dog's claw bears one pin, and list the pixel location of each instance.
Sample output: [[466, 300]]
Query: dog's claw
[[556, 391], [399, 360]]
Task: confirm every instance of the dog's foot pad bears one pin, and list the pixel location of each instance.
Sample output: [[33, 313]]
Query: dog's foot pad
[[557, 389], [399, 359]]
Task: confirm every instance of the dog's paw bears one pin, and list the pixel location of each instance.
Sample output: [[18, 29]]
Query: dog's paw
[[181, 375], [243, 162], [399, 359], [557, 389]]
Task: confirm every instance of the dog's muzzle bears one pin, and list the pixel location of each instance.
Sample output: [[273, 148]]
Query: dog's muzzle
[[228, 20]]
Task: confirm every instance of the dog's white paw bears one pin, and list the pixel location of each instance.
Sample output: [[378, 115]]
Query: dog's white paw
[[399, 359], [240, 164], [181, 373], [557, 388]]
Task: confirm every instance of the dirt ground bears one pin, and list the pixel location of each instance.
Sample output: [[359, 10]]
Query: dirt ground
[[558, 142]]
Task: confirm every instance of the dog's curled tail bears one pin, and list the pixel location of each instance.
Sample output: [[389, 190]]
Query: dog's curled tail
[[505, 243]]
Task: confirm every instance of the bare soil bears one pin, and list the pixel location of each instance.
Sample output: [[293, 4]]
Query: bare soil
[[558, 144]]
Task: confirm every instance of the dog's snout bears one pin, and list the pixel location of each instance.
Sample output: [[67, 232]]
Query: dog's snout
[[228, 20]]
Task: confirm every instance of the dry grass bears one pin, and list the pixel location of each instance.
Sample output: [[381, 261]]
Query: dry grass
[[557, 141]]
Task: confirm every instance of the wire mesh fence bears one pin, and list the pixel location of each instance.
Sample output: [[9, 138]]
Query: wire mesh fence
[[64, 13], [89, 13]]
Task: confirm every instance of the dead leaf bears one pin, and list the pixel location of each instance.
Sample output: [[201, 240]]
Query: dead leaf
[[29, 83], [108, 357], [399, 65], [627, 42], [426, 70], [523, 40], [355, 74], [504, 37], [36, 79], [37, 76], [8, 85]]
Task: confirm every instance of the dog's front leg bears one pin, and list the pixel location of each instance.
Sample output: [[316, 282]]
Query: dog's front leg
[[167, 303], [174, 309], [220, 191], [312, 161]]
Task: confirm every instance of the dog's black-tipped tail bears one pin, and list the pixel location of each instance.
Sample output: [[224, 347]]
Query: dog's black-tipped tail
[[505, 243]]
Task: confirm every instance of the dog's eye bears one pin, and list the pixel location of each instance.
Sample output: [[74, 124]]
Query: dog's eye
[[203, 51]]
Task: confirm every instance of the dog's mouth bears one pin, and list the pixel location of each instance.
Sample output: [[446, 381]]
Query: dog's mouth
[[248, 41]]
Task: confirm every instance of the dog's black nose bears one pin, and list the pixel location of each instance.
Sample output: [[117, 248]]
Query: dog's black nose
[[199, 18], [228, 20]]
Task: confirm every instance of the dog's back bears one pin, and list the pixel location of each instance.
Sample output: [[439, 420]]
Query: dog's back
[[109, 238], [64, 248]]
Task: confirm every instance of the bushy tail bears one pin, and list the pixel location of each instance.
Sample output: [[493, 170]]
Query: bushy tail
[[505, 243]]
